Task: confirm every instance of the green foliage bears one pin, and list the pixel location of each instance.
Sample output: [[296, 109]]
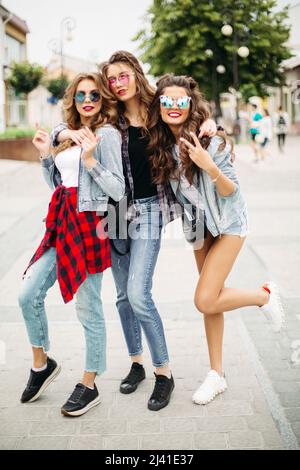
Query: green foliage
[[25, 77], [248, 90], [180, 31], [57, 86], [14, 133]]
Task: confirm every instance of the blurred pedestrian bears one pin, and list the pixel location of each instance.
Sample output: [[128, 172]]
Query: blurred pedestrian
[[265, 134], [254, 128], [282, 123]]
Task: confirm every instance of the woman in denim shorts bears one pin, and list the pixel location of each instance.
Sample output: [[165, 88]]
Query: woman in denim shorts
[[202, 176]]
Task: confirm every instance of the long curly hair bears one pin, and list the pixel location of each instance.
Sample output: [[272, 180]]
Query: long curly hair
[[161, 138], [145, 91], [108, 113]]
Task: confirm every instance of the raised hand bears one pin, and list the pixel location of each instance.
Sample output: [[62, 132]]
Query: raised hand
[[198, 154], [42, 142], [89, 142]]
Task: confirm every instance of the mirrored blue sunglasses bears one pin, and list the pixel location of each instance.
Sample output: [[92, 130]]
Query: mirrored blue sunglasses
[[167, 102]]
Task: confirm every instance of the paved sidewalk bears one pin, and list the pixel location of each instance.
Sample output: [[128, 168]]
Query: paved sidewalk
[[260, 409]]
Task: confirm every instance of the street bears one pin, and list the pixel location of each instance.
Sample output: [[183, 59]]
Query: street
[[260, 409]]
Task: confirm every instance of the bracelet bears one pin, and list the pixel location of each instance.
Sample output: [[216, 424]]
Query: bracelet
[[216, 179]]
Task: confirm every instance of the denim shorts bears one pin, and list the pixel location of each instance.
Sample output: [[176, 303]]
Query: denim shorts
[[239, 227]]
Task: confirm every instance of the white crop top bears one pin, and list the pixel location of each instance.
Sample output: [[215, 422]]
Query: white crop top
[[67, 163]]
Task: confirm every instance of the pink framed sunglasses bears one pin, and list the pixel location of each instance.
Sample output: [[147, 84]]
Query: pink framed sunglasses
[[123, 78]]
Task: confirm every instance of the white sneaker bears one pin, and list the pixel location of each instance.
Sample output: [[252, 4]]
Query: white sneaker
[[274, 310], [212, 386]]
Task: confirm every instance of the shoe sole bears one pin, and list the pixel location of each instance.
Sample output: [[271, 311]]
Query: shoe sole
[[211, 399], [46, 384], [84, 410], [127, 392]]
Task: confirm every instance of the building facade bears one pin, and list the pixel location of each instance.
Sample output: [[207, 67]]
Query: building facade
[[13, 48], [288, 96]]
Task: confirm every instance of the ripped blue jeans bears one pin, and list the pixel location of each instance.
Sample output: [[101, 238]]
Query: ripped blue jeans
[[133, 275], [39, 278]]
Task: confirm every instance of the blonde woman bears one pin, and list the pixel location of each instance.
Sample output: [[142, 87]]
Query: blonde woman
[[75, 249]]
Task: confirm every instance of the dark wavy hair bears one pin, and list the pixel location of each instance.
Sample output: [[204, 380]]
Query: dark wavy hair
[[108, 112], [162, 140], [145, 91]]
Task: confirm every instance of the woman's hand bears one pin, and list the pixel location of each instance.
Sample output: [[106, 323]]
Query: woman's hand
[[77, 136], [199, 156], [89, 144], [42, 142], [209, 128]]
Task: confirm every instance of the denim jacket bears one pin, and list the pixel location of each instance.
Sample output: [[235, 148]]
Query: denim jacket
[[223, 214], [170, 207], [104, 180]]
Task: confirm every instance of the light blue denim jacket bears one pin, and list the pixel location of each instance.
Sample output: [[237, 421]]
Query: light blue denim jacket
[[224, 214], [104, 180]]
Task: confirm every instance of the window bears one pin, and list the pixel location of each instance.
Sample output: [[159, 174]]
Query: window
[[14, 50]]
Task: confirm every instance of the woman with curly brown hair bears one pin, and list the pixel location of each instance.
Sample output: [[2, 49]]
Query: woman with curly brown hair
[[75, 249], [134, 256], [201, 175]]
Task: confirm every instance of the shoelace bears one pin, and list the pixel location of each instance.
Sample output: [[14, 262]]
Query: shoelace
[[76, 394], [34, 378], [159, 389], [133, 375]]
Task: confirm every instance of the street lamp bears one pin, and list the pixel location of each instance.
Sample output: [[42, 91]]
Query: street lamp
[[227, 30], [67, 25], [215, 69], [242, 51], [209, 53], [221, 69]]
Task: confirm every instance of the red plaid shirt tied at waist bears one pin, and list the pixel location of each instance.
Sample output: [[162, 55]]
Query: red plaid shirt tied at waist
[[82, 245]]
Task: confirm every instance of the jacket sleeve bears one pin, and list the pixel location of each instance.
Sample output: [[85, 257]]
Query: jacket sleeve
[[48, 170], [222, 158], [54, 134], [108, 171]]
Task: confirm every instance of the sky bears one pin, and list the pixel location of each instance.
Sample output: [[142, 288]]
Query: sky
[[102, 26]]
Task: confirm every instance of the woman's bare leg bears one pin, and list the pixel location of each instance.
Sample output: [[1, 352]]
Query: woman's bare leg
[[214, 324], [39, 357], [211, 296]]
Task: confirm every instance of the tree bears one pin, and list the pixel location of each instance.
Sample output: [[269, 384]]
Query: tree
[[25, 77], [57, 86], [185, 37]]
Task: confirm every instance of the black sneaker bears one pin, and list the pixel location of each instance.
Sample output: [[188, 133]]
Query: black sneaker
[[135, 376], [39, 381], [81, 401], [162, 392]]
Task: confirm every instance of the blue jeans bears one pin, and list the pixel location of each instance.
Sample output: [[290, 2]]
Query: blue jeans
[[133, 275], [38, 280]]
